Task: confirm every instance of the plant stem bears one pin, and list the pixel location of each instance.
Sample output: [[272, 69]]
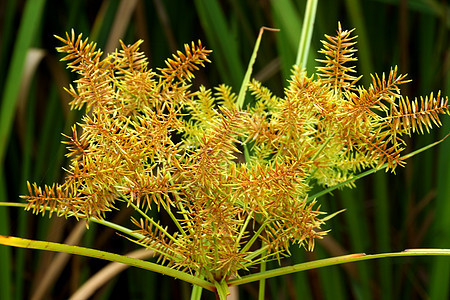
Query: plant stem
[[196, 293], [114, 226], [159, 227], [371, 171], [262, 282], [50, 246], [307, 28], [334, 261], [221, 290], [248, 73]]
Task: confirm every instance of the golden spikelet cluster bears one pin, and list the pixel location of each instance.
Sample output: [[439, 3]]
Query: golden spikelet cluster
[[234, 181]]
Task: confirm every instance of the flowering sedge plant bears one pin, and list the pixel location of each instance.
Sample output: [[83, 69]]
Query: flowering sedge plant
[[235, 180]]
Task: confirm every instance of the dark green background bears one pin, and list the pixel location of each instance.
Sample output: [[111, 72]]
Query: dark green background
[[385, 213]]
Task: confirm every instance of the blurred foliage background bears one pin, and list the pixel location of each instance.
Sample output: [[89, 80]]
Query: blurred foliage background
[[384, 213]]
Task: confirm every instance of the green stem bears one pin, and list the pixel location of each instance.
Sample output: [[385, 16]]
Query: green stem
[[118, 227], [371, 171], [253, 239], [253, 254], [50, 246], [307, 28], [313, 158], [222, 289], [129, 234], [169, 211], [157, 249], [262, 282], [114, 226], [182, 210], [196, 293], [242, 232], [248, 73], [334, 261], [244, 86], [159, 227]]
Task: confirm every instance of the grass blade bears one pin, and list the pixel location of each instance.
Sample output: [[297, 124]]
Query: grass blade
[[248, 73], [305, 39], [50, 246], [336, 261]]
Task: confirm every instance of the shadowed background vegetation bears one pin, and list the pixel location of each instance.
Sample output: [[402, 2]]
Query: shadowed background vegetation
[[384, 213]]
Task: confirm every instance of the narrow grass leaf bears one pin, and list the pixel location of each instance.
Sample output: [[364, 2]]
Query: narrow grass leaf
[[50, 246], [336, 261]]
